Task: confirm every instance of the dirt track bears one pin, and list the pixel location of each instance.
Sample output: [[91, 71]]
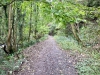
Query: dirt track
[[45, 58]]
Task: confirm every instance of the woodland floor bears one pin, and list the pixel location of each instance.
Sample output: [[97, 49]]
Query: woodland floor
[[46, 58]]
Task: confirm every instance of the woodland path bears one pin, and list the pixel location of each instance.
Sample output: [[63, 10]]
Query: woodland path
[[46, 58]]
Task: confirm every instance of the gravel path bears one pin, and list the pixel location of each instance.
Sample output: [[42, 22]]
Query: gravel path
[[45, 58]]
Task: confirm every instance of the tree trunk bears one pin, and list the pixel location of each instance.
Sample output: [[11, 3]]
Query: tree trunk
[[21, 30], [75, 34], [14, 28], [9, 46], [36, 19], [6, 16], [30, 23]]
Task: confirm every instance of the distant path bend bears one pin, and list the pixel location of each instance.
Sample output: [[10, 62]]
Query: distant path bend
[[45, 58]]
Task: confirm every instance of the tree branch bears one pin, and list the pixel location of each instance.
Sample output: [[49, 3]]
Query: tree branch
[[7, 3]]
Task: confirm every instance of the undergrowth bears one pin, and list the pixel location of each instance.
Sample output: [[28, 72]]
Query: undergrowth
[[33, 41], [90, 64], [43, 38], [68, 43], [9, 63], [90, 35]]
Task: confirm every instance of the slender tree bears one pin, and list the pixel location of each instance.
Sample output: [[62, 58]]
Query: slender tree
[[30, 23], [14, 28], [36, 19], [9, 45]]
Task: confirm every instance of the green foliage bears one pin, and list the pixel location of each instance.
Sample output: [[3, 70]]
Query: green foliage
[[5, 1], [61, 33], [53, 28], [95, 54], [13, 64], [43, 38], [10, 64], [93, 3], [2, 72], [88, 66], [89, 34], [42, 30], [44, 7], [68, 43], [31, 42], [92, 12], [65, 12]]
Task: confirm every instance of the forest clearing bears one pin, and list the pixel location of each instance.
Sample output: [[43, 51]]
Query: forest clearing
[[49, 37]]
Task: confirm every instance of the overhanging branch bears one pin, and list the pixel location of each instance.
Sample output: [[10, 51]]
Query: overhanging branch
[[7, 3]]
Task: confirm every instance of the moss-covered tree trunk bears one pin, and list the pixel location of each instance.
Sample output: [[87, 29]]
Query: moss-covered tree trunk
[[9, 46], [75, 33]]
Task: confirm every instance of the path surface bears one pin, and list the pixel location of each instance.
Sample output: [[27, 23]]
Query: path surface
[[45, 58]]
